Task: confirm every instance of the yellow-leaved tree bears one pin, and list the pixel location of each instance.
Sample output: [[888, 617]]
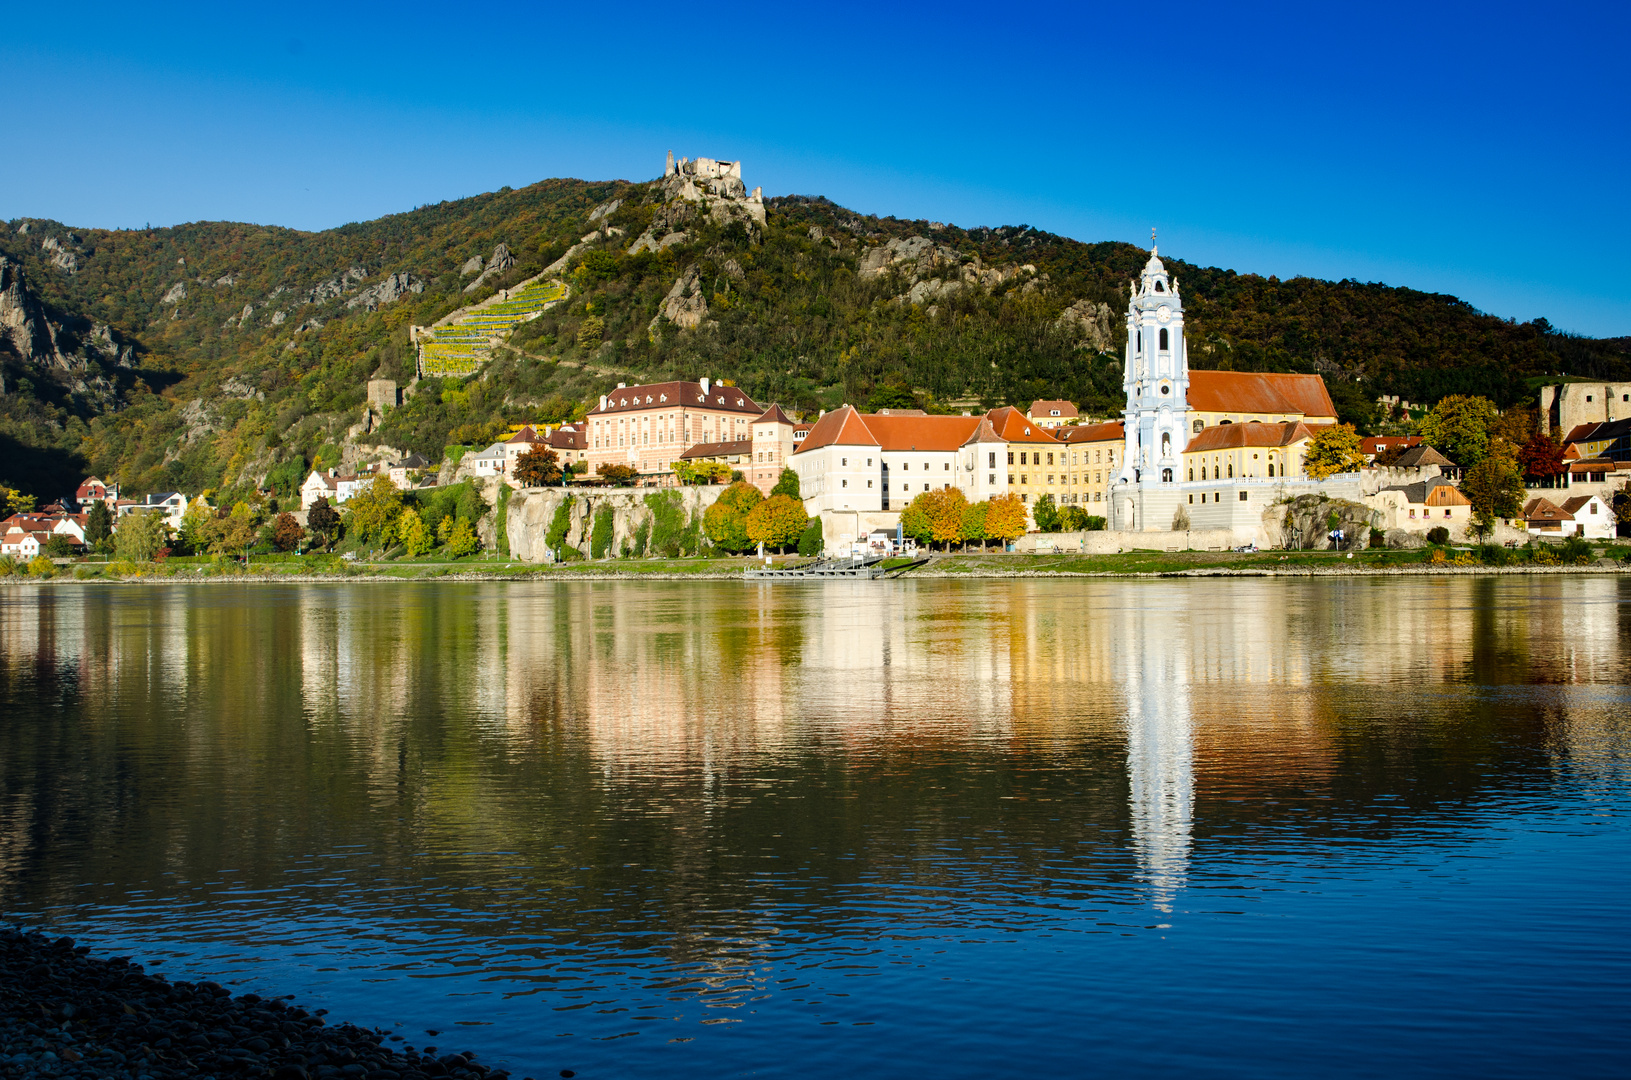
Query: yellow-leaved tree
[[1333, 449], [1005, 517]]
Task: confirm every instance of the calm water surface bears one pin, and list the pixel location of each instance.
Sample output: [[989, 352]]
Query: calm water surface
[[1236, 828]]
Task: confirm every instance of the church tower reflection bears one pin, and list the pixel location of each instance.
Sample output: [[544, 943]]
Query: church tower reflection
[[1154, 670]]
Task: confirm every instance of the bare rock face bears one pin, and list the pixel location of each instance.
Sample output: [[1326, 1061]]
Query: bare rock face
[[685, 306], [502, 260], [388, 291], [278, 317], [1089, 323], [917, 256], [176, 294], [532, 511], [61, 257], [605, 210], [23, 324], [473, 265], [225, 281]]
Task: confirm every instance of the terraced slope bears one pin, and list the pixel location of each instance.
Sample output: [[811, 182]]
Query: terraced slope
[[464, 341]]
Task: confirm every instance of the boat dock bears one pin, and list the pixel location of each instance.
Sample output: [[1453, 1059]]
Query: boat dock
[[857, 566]]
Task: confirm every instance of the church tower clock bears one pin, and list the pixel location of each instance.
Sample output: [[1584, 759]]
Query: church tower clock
[[1156, 379]]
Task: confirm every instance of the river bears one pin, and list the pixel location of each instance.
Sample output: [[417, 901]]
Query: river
[[1356, 827]]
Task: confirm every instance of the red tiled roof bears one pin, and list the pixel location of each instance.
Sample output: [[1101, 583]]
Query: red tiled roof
[[525, 435], [567, 437], [676, 394], [774, 415], [1573, 505], [1015, 426], [920, 432], [1115, 430], [718, 449], [1235, 436], [1375, 444], [983, 433], [1259, 392], [1540, 509], [841, 427], [1045, 408]]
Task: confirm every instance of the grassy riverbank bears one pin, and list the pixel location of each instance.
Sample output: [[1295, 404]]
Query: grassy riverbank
[[322, 567]]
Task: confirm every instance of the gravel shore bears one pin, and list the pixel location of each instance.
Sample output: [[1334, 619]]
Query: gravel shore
[[65, 1013]]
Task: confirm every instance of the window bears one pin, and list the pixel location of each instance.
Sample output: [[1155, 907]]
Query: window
[[1192, 500], [1271, 469], [1166, 476], [1010, 479], [1163, 345], [1050, 459], [1446, 511], [1412, 512], [1231, 470], [948, 467], [1159, 287], [1050, 479], [843, 462], [992, 462], [1242, 496], [991, 478], [1192, 477], [1096, 454], [843, 483], [869, 483], [1203, 498], [869, 463], [925, 487], [1024, 479], [1010, 460], [1588, 398], [1593, 509], [1095, 496], [1022, 459]]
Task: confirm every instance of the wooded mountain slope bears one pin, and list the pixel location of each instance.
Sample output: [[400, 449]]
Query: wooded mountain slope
[[216, 354]]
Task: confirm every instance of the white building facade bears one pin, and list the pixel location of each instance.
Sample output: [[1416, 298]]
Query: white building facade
[[1146, 494]]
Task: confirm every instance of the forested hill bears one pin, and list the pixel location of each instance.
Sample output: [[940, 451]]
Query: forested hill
[[216, 354]]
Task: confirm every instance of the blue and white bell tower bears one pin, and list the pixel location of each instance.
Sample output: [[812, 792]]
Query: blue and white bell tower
[[1155, 376]]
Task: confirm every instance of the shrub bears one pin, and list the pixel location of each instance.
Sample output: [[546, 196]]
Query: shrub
[[1438, 534], [642, 536], [1378, 538], [8, 566], [559, 524], [810, 541], [673, 531], [1095, 523], [1494, 555], [726, 520], [600, 536], [41, 566], [1541, 554], [1576, 551]]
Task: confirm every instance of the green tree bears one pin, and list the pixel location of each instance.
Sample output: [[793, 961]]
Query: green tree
[[974, 522], [777, 522], [1494, 486], [1072, 519], [324, 521], [701, 472], [1333, 449], [891, 396], [725, 521], [59, 546], [787, 484], [140, 537], [1459, 427], [1045, 514], [915, 520], [1005, 517], [461, 539], [371, 512], [98, 524], [538, 467], [13, 501]]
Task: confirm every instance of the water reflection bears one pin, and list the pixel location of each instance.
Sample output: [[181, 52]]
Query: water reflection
[[659, 805]]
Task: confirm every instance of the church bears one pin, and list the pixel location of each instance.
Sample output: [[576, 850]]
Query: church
[[1184, 429]]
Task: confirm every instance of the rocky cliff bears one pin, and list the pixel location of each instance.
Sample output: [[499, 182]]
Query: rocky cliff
[[665, 522]]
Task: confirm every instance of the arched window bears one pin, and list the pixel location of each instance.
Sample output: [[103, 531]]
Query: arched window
[[1159, 287], [1140, 339], [1166, 476], [1271, 468], [1231, 470], [1163, 339]]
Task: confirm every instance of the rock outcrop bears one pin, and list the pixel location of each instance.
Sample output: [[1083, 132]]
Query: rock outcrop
[[388, 291], [1307, 521], [501, 261], [1089, 323], [531, 512], [684, 306]]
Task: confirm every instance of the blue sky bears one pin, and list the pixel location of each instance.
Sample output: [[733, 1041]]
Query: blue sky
[[1480, 150]]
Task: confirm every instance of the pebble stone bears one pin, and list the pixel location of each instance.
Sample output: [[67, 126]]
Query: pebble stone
[[64, 1013]]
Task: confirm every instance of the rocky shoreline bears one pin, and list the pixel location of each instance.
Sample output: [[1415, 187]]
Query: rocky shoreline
[[65, 1013]]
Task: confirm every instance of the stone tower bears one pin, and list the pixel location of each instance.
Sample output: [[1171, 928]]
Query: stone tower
[[1155, 376]]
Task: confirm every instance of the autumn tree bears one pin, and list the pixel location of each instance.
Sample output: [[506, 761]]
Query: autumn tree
[[140, 537], [1333, 449], [701, 472], [13, 501], [617, 475], [324, 521], [410, 530], [1005, 517], [286, 532], [1459, 426], [372, 512], [777, 522], [1072, 519], [725, 521], [461, 539], [1542, 456], [538, 467]]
